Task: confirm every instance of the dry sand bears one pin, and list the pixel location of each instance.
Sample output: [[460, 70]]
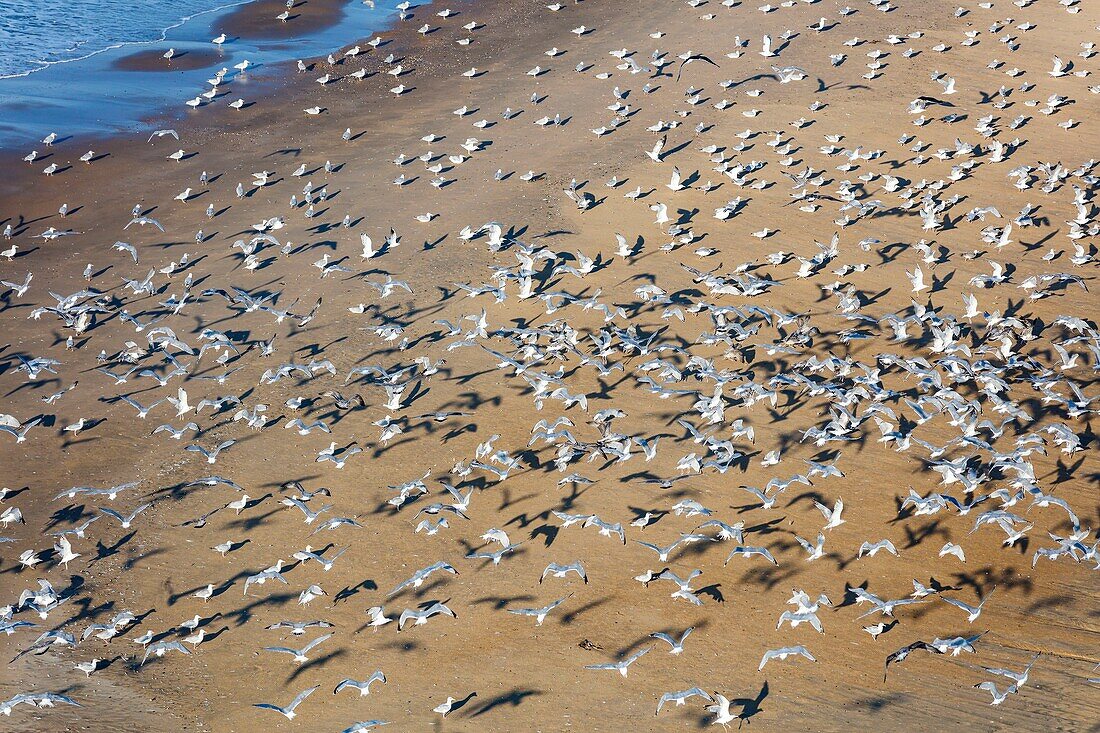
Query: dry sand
[[530, 678]]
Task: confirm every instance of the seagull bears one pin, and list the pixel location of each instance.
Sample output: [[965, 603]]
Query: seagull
[[211, 456], [145, 220], [420, 576], [972, 612], [875, 630], [125, 521], [689, 58], [19, 289], [447, 705], [655, 153], [298, 628], [832, 516], [784, 652], [872, 548], [88, 667], [299, 654], [64, 550], [797, 618], [815, 552], [951, 548], [307, 595], [902, 653], [916, 278], [721, 709], [677, 645], [288, 711], [622, 666], [421, 617], [681, 698], [363, 687], [161, 648], [787, 74], [747, 551], [998, 695], [1019, 679], [377, 617], [560, 571], [162, 133], [957, 644], [540, 614]]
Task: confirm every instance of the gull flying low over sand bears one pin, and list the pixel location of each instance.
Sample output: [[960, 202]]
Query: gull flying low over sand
[[288, 711]]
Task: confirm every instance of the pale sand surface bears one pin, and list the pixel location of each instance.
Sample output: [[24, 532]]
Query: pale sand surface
[[530, 678]]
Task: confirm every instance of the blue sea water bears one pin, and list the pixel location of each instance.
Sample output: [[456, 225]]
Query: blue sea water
[[57, 60]]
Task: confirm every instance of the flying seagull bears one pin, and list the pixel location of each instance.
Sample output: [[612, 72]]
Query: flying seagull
[[288, 711], [621, 666], [690, 59]]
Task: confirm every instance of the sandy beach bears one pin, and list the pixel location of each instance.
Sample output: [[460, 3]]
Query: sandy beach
[[508, 673]]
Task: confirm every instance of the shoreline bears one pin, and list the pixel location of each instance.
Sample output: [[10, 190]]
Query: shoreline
[[271, 82], [136, 82], [180, 22]]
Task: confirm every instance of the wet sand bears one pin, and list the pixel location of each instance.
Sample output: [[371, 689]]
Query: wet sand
[[153, 60], [525, 677]]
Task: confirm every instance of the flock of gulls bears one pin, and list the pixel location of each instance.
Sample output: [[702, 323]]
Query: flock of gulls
[[992, 406]]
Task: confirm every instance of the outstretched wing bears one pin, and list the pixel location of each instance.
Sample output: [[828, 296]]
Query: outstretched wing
[[664, 637], [315, 642], [302, 696]]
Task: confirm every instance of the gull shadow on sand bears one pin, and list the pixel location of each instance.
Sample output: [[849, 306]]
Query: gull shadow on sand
[[513, 697]]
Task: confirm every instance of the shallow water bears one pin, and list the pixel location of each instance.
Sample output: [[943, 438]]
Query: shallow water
[[34, 36], [58, 60]]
